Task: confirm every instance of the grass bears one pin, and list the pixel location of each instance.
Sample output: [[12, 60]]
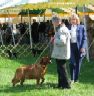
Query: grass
[[7, 69]]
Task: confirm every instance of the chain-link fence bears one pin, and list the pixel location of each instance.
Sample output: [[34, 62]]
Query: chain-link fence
[[22, 50]]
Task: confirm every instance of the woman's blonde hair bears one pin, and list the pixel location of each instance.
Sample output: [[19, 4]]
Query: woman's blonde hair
[[74, 15]]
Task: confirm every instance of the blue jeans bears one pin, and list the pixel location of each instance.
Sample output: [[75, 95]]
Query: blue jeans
[[75, 62]]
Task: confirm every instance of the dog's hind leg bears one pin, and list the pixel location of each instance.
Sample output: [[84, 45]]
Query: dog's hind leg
[[15, 82], [15, 55]]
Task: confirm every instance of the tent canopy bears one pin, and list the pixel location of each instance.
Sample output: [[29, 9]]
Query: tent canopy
[[58, 10], [80, 9], [35, 11], [40, 8], [41, 11]]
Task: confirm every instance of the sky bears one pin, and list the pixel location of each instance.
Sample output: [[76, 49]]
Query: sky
[[8, 3], [23, 1], [35, 1]]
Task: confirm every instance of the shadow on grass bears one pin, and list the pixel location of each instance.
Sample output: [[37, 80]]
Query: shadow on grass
[[28, 87]]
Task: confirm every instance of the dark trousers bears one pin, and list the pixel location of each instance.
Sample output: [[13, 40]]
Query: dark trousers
[[75, 62], [62, 74]]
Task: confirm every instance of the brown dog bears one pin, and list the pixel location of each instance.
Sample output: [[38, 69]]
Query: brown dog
[[35, 71]]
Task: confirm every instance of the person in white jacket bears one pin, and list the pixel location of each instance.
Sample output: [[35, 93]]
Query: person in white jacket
[[61, 51]]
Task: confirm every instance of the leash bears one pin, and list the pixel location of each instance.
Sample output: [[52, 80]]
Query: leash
[[42, 52], [91, 44], [88, 49]]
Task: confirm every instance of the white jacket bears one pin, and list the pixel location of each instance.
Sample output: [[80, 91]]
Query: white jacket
[[61, 49]]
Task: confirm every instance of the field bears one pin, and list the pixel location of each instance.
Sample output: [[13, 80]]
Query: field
[[85, 87]]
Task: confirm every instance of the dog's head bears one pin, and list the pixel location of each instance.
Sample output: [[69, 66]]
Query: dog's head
[[45, 60]]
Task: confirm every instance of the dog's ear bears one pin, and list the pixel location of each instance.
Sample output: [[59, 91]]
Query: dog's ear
[[41, 61], [49, 59], [46, 56]]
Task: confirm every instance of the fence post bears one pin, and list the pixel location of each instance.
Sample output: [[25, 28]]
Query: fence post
[[29, 28], [85, 24]]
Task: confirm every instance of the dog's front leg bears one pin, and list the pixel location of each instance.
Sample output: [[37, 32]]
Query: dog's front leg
[[38, 81], [22, 81], [42, 80]]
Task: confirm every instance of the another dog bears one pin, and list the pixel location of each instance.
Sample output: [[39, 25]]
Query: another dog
[[11, 54], [36, 51], [35, 71]]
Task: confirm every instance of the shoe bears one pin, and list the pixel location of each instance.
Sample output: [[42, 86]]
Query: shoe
[[67, 87], [64, 87], [76, 81]]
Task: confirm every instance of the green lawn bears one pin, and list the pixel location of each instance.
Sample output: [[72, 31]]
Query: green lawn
[[7, 69]]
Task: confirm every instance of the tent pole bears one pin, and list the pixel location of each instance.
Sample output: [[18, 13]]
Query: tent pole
[[85, 24], [1, 37], [5, 19], [21, 18], [44, 16], [76, 10], [29, 29], [39, 18], [30, 20]]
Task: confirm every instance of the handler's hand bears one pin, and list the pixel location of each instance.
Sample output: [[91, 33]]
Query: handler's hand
[[52, 39], [82, 50]]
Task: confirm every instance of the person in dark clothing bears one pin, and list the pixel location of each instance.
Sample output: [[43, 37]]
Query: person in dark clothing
[[34, 32], [22, 28], [42, 28]]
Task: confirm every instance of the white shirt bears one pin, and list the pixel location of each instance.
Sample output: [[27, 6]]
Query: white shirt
[[73, 33]]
